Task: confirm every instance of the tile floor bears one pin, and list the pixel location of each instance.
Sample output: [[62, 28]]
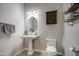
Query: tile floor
[[24, 53], [36, 53]]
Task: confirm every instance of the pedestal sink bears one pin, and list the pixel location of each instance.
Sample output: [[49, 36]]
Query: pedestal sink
[[29, 38]]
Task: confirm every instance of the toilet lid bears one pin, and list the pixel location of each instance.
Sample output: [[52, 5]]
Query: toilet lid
[[51, 49]]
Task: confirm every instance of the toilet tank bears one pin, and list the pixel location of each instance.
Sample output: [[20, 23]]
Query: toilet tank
[[51, 42]]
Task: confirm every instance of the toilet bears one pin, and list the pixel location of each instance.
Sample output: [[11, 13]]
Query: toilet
[[51, 47]]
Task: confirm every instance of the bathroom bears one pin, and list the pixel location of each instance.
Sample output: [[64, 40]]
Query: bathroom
[[19, 14]]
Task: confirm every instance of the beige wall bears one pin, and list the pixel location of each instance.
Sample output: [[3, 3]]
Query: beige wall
[[12, 14], [54, 31]]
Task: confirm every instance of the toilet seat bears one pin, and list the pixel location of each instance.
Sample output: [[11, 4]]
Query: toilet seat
[[51, 50]]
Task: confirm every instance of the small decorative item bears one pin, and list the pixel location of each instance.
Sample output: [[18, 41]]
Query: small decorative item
[[25, 32], [36, 33]]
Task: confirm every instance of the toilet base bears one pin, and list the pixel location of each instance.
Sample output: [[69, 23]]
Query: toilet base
[[44, 53], [51, 54]]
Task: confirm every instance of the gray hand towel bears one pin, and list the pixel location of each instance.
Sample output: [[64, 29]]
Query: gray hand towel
[[9, 28]]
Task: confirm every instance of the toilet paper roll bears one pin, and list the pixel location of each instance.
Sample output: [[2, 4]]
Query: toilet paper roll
[[72, 48]]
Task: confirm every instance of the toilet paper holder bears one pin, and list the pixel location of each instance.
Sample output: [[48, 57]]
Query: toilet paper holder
[[74, 49]]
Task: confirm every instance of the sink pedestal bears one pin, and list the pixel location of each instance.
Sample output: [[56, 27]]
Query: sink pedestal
[[30, 48], [30, 38]]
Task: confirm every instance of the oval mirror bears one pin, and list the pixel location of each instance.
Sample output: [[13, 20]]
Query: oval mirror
[[32, 24]]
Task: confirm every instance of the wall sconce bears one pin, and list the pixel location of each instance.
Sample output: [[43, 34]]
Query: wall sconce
[[35, 12]]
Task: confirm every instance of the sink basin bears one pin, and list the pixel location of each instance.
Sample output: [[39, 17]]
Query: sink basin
[[29, 36]]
